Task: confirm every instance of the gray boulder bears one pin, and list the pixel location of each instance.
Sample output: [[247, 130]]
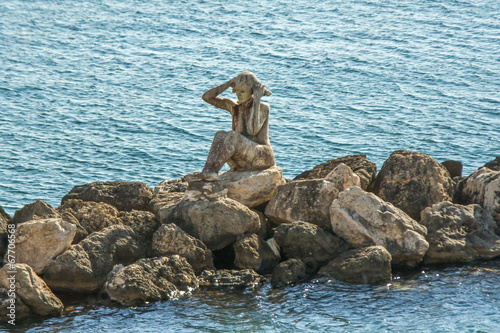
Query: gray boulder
[[362, 219], [288, 272], [359, 164], [170, 239], [122, 195], [252, 251], [30, 289], [84, 267], [306, 241], [149, 280], [245, 278], [366, 265], [459, 233], [412, 182]]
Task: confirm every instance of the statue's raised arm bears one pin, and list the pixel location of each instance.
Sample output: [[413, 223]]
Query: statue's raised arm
[[247, 146]]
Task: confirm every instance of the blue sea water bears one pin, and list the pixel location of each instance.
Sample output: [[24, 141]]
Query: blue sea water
[[102, 90]]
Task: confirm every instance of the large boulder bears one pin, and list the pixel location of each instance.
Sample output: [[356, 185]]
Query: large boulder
[[245, 278], [31, 289], [143, 223], [166, 194], [252, 251], [170, 239], [84, 267], [310, 200], [306, 241], [38, 241], [288, 272], [38, 210], [251, 188], [367, 265], [216, 221], [459, 233], [359, 164], [122, 195], [494, 165], [362, 219], [149, 280], [412, 182], [481, 187]]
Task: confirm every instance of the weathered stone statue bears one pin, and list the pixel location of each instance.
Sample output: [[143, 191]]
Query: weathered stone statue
[[247, 146]]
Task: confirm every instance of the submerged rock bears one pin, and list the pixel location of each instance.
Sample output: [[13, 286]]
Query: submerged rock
[[216, 221], [366, 265], [122, 195], [149, 280], [230, 278], [252, 251], [459, 233], [412, 182], [359, 164], [31, 289], [363, 219], [38, 241], [310, 200], [170, 239], [84, 267], [302, 240], [288, 272]]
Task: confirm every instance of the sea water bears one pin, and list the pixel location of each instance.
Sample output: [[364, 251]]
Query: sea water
[[111, 90]]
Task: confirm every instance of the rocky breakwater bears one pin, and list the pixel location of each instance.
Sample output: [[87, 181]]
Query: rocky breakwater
[[340, 221]]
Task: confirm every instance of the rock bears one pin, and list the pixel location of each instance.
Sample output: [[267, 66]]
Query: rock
[[149, 280], [31, 289], [170, 239], [38, 241], [366, 265], [494, 165], [310, 200], [4, 220], [92, 216], [252, 188], [306, 241], [359, 164], [81, 233], [459, 233], [84, 267], [251, 251], [288, 272], [12, 308], [412, 182], [173, 185], [143, 223], [245, 278], [362, 219], [38, 210], [164, 200], [266, 227], [122, 195], [215, 221], [481, 187], [454, 168]]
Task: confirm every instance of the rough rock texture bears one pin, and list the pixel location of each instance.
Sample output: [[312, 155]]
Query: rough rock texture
[[302, 240], [230, 278], [359, 164], [12, 311], [252, 188], [367, 265], [481, 187], [288, 272], [454, 168], [38, 210], [4, 220], [84, 267], [215, 221], [164, 200], [251, 251], [31, 289], [494, 165], [143, 223], [170, 239], [310, 200], [122, 195], [363, 219], [412, 182], [149, 280], [459, 233], [38, 241]]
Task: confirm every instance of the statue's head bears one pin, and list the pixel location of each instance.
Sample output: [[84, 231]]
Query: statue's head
[[244, 84]]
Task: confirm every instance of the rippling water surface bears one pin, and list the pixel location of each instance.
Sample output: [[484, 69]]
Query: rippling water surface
[[111, 90]]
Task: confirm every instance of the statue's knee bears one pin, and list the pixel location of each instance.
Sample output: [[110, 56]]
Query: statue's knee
[[220, 135]]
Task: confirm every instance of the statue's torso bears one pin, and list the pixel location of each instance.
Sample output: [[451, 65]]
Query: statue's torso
[[241, 114]]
